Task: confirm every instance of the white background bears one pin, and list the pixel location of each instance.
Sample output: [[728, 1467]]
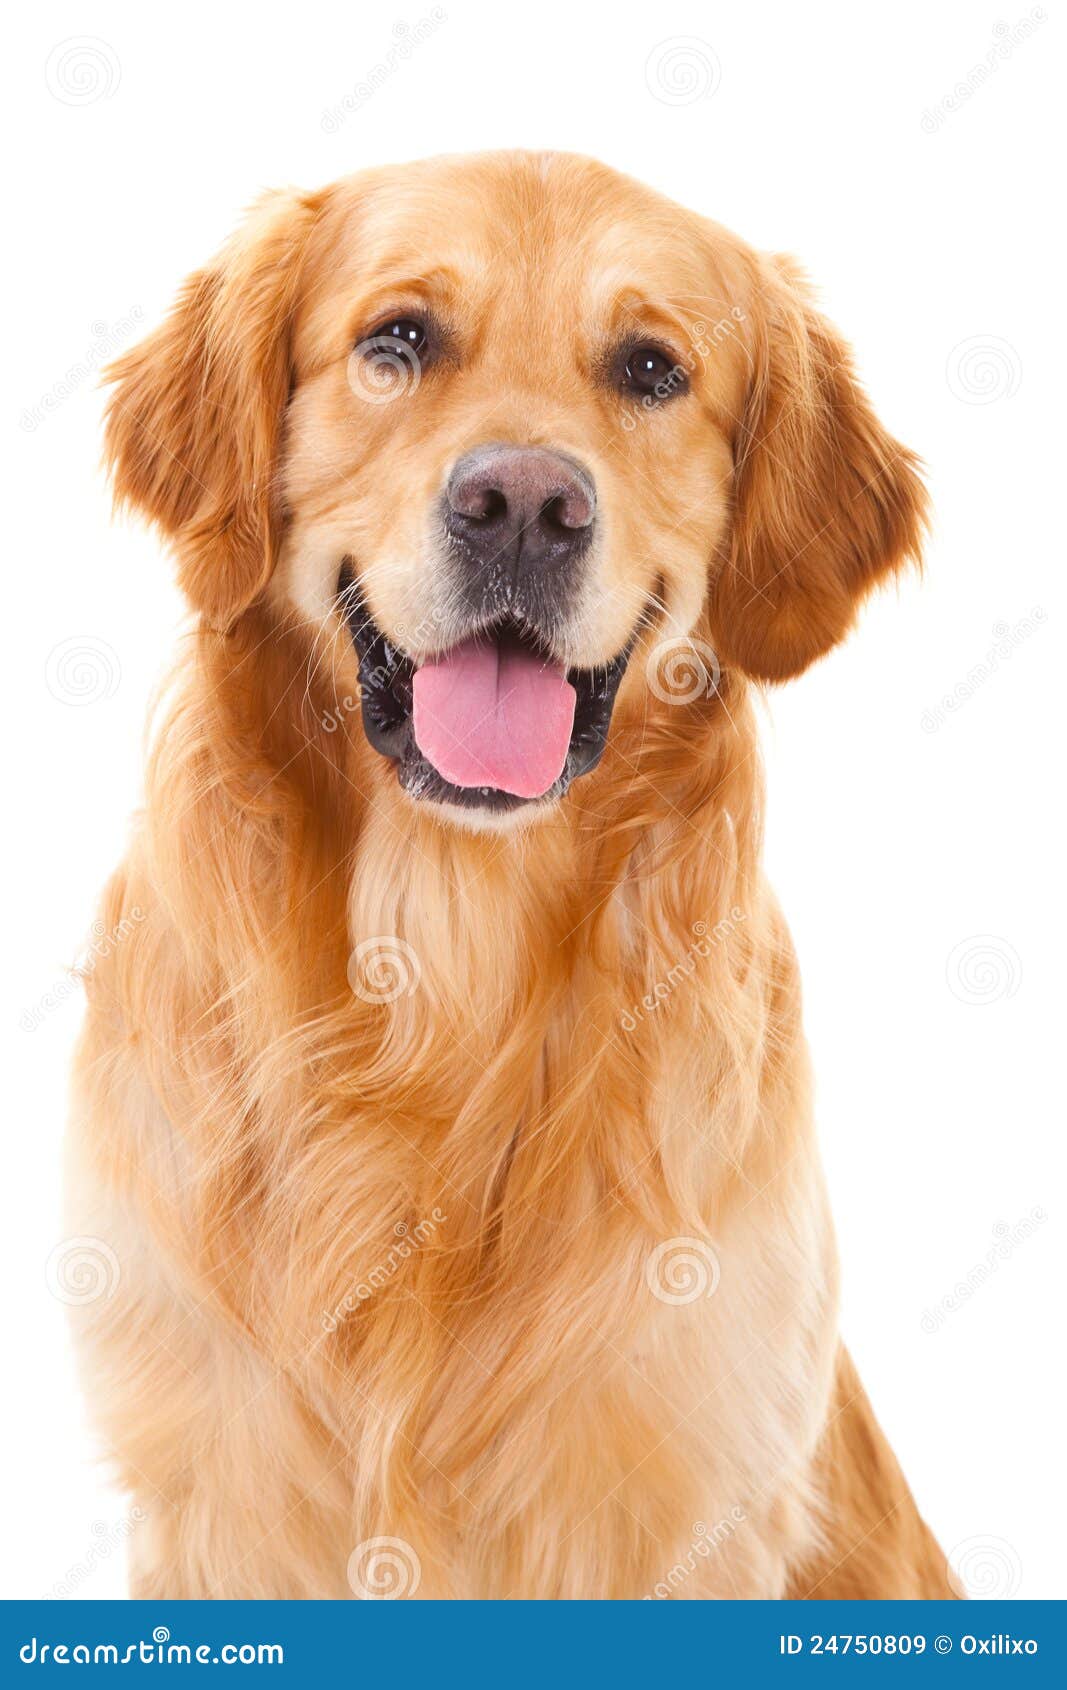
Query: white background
[[895, 845]]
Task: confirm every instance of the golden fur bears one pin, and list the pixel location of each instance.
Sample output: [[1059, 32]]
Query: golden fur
[[499, 1157]]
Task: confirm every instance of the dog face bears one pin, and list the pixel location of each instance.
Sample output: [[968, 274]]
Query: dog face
[[502, 420]]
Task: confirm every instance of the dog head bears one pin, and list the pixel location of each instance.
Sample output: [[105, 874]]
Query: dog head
[[494, 422]]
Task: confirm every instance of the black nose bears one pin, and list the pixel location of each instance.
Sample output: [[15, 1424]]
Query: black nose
[[519, 511]]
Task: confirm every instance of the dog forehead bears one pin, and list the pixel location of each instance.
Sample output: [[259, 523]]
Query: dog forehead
[[503, 204], [542, 230]]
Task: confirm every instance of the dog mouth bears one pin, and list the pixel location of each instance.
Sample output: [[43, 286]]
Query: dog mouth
[[495, 722]]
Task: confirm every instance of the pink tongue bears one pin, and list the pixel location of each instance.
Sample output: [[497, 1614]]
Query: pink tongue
[[494, 717]]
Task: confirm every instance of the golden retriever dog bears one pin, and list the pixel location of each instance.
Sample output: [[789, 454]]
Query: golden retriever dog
[[443, 1098]]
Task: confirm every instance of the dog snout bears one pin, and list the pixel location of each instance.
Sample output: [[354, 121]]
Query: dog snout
[[520, 510]]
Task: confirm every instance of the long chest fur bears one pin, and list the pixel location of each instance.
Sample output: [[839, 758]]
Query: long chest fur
[[599, 1341], [534, 1231]]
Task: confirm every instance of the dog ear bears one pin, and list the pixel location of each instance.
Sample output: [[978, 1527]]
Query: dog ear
[[826, 503], [195, 417]]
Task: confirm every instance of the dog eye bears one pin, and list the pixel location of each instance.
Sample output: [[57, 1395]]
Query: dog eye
[[648, 370], [408, 331]]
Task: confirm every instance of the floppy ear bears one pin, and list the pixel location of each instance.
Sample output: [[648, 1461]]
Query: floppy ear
[[826, 503], [194, 421]]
